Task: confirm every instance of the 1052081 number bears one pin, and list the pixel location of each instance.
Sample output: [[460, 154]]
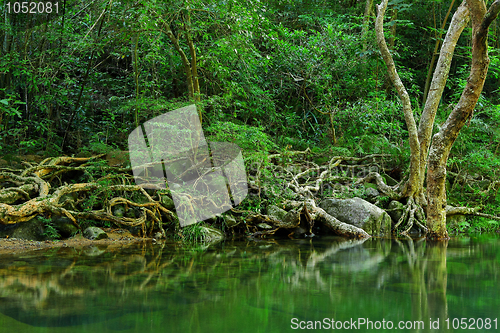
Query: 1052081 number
[[472, 323], [32, 7]]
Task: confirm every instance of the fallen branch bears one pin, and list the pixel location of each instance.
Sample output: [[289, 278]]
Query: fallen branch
[[469, 211]]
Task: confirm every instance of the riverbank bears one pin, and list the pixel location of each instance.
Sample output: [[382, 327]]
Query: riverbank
[[118, 238]]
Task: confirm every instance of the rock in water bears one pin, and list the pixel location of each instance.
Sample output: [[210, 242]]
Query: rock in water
[[31, 230], [94, 233], [359, 213]]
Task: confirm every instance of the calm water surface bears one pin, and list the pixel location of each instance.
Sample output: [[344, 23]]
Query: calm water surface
[[253, 286]]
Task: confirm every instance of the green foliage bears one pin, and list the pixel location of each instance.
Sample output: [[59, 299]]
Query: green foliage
[[384, 201], [475, 160], [49, 231], [270, 75], [98, 145], [478, 225], [192, 233], [249, 139]]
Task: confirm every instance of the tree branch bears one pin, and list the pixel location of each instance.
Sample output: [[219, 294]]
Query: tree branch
[[413, 181]]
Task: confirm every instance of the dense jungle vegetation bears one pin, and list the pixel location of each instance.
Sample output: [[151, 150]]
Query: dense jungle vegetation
[[276, 77]]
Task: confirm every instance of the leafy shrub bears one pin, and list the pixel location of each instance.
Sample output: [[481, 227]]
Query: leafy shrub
[[249, 139], [50, 232]]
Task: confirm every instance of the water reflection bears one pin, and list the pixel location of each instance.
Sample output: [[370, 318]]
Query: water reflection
[[249, 286]]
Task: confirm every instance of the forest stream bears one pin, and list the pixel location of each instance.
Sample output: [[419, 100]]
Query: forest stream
[[254, 286], [249, 166]]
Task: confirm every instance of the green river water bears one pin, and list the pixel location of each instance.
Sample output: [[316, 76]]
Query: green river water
[[256, 286]]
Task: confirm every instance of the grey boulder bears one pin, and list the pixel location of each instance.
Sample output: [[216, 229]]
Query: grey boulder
[[94, 233], [359, 213]]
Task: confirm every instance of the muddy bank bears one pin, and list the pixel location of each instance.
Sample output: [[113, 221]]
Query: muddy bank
[[118, 238]]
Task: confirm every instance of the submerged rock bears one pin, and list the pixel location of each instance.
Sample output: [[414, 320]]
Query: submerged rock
[[360, 213], [92, 251], [94, 233]]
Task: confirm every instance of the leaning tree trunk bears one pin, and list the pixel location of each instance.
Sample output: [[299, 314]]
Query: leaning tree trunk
[[444, 139], [434, 53], [411, 186]]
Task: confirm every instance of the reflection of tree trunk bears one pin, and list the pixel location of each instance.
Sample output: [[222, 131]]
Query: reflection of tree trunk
[[417, 267], [428, 280], [437, 280]]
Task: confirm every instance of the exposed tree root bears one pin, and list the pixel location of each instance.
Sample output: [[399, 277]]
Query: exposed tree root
[[412, 214], [32, 195], [340, 228], [44, 189], [309, 214], [393, 192]]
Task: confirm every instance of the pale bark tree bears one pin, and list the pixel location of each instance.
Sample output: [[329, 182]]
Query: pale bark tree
[[442, 141], [435, 52], [420, 140]]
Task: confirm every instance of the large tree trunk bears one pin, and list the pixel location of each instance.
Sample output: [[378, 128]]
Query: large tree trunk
[[444, 139]]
